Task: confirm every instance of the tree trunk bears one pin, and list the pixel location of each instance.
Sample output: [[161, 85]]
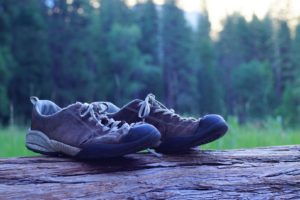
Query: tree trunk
[[262, 173], [276, 65]]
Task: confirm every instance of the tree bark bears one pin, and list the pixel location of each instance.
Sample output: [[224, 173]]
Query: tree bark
[[262, 173]]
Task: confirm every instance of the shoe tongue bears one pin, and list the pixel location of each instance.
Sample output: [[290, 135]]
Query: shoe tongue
[[133, 104]]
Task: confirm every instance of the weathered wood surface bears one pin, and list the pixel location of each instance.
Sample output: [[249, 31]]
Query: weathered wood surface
[[263, 173]]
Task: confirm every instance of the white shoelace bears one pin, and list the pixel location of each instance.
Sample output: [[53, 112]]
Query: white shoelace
[[145, 108], [97, 113]]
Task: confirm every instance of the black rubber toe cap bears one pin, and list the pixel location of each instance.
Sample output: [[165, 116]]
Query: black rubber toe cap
[[211, 127], [138, 138], [142, 131], [211, 119]]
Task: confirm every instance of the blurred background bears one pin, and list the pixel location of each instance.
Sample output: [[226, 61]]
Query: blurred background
[[238, 58]]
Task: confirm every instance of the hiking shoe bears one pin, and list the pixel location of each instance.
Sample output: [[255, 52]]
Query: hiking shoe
[[83, 131], [177, 133]]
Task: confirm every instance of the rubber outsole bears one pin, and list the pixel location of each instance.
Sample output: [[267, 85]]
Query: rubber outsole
[[38, 142], [179, 144], [118, 150]]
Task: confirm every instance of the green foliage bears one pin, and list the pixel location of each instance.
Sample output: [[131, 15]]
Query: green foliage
[[71, 61], [147, 20], [284, 44], [252, 83], [6, 60], [6, 63], [176, 50], [260, 44], [231, 50], [69, 50], [208, 91], [29, 50], [126, 61], [290, 107], [114, 11]]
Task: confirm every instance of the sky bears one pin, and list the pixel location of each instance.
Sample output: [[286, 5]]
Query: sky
[[219, 9]]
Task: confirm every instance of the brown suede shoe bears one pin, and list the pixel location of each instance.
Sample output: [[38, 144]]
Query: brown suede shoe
[[83, 131], [178, 133]]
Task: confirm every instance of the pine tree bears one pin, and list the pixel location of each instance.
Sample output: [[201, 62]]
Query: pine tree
[[209, 90], [148, 22], [30, 53], [296, 50], [261, 45], [178, 74], [111, 12], [252, 83], [285, 48], [261, 49], [282, 65], [232, 49], [6, 60], [126, 62], [69, 25], [114, 11], [290, 108]]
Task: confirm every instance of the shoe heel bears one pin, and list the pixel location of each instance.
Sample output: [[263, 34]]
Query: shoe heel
[[38, 142]]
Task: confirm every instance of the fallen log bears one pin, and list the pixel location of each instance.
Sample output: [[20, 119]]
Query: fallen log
[[261, 173]]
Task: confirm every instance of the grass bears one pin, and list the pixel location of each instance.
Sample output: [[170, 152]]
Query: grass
[[267, 133], [12, 142], [260, 134]]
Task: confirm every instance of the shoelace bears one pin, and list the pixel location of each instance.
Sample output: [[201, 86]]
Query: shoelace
[[145, 108], [97, 113], [153, 152]]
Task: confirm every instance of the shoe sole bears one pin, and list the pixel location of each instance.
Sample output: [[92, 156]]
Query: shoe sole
[[39, 142], [178, 144], [118, 150]]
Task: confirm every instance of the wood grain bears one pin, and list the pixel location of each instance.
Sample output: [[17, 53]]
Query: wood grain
[[262, 173]]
